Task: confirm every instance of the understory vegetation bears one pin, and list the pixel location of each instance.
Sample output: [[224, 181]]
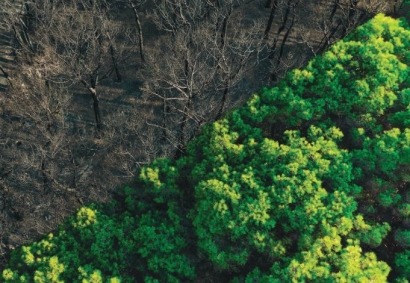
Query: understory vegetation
[[308, 182]]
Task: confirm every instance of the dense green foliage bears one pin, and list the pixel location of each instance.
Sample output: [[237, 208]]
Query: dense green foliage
[[307, 182]]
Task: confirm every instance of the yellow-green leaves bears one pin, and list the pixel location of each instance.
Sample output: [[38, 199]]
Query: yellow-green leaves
[[277, 187], [85, 217]]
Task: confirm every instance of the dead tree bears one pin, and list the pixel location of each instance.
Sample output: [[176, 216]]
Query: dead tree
[[41, 110], [206, 58], [81, 46], [273, 7], [285, 15], [135, 6]]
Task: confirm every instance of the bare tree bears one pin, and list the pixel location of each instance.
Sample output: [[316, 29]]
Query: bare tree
[[50, 153], [80, 44], [206, 59], [273, 4], [135, 6]]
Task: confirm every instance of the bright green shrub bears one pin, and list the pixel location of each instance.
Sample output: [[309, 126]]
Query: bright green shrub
[[161, 246], [251, 200], [375, 235], [72, 254], [328, 261]]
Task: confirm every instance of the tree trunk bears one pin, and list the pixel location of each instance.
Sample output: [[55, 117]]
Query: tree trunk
[[114, 62], [74, 180], [164, 119], [270, 20], [336, 4], [352, 11], [6, 75], [224, 97], [225, 27], [268, 3], [280, 29], [139, 28], [46, 181], [285, 37], [96, 102], [326, 41], [186, 68], [181, 139], [398, 4]]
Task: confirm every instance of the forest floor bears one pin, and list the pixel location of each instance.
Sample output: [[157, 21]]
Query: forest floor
[[27, 214]]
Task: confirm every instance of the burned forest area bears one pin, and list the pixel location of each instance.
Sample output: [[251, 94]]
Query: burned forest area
[[91, 90]]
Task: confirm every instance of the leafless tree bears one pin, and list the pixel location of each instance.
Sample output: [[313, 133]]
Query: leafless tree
[[135, 6], [207, 58], [273, 5], [78, 40], [49, 151]]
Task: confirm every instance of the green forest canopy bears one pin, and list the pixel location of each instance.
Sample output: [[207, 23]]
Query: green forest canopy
[[309, 181]]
